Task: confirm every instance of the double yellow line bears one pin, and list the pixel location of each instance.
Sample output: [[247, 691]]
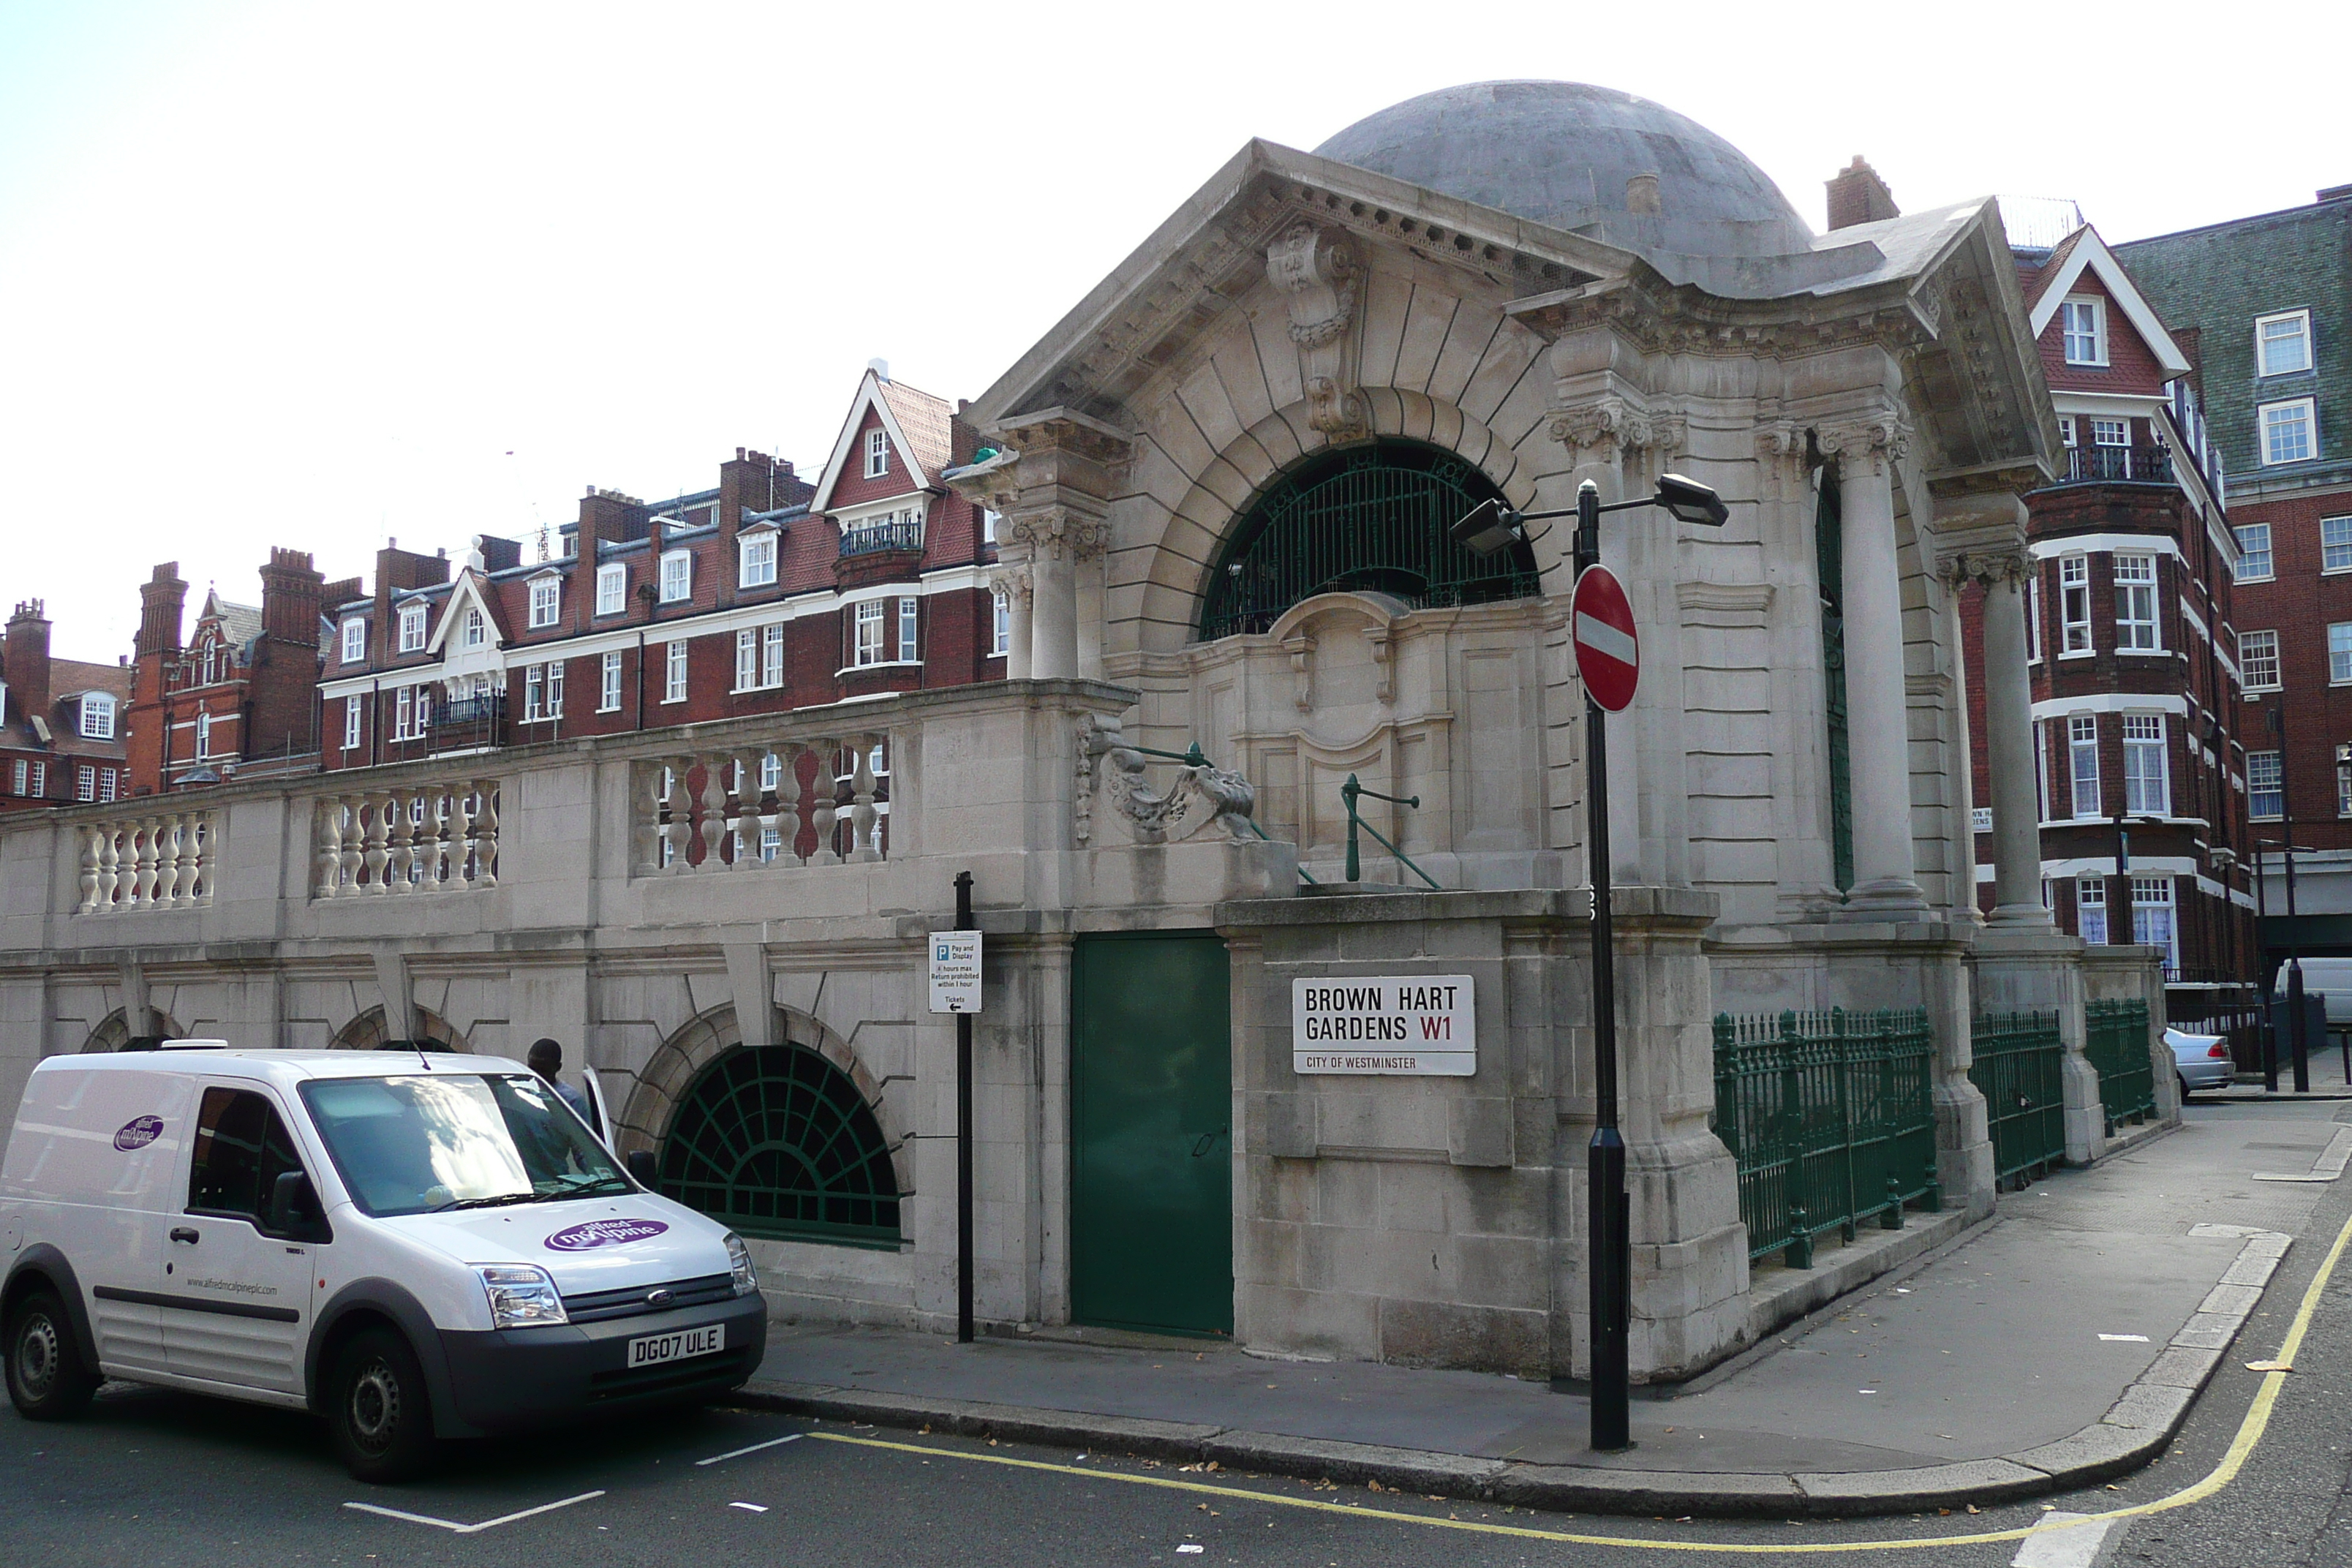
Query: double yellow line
[[2241, 1448]]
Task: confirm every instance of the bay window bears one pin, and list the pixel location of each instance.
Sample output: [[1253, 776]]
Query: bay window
[[2083, 748], [2075, 605], [2148, 783], [2135, 631]]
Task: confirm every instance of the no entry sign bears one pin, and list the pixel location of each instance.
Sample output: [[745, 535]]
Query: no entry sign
[[1608, 654]]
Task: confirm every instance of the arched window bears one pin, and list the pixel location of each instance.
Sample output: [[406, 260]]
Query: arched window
[[1371, 518], [777, 1141]]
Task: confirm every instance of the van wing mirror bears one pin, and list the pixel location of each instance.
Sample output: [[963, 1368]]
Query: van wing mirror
[[644, 1170], [293, 1205]]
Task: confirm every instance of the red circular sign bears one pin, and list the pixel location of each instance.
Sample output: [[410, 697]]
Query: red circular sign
[[1608, 653]]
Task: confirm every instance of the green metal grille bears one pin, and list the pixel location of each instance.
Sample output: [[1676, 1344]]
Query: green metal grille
[[1371, 518], [777, 1141], [2115, 1038], [1829, 554], [1831, 1118], [2019, 1068]]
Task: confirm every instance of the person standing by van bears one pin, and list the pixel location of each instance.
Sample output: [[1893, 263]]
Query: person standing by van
[[546, 1059]]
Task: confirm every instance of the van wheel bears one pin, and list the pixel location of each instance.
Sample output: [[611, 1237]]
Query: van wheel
[[382, 1418], [47, 1381]]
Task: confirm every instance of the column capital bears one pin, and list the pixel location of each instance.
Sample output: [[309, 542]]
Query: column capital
[[1011, 581], [1618, 423], [1987, 567], [1876, 439], [1054, 532]]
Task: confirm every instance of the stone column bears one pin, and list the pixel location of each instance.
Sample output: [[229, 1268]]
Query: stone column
[[1878, 726], [1053, 580], [1013, 580], [2009, 749]]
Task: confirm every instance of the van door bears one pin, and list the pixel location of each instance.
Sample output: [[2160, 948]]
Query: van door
[[237, 1305], [119, 1181]]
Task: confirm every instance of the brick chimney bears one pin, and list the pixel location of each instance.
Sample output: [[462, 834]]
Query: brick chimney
[[606, 516], [282, 700], [292, 593], [162, 599], [1858, 195], [25, 664], [147, 725], [396, 571]]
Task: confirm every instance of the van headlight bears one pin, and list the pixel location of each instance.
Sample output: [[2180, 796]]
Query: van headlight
[[522, 1296], [739, 1264]]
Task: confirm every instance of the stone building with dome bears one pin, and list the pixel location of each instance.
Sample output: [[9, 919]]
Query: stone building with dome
[[1244, 655]]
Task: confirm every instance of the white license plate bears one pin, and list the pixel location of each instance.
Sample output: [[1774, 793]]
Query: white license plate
[[655, 1349]]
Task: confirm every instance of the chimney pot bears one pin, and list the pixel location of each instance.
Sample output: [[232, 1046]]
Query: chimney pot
[[1857, 194]]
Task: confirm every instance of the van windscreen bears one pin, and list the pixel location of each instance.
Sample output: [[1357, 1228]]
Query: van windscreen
[[419, 1143]]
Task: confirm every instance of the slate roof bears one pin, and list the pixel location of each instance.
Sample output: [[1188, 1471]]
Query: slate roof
[[928, 421]]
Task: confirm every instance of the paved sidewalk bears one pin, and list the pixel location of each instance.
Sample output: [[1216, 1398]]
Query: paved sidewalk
[[2061, 1343], [2326, 1069]]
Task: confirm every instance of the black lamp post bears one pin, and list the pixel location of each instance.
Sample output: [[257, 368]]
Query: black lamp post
[[1490, 528], [2297, 1045]]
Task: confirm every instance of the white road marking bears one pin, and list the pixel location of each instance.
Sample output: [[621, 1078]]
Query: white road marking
[[750, 1507], [452, 1526], [739, 1453], [2126, 1339], [2067, 1541]]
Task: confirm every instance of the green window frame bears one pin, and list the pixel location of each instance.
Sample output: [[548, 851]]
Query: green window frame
[[1370, 517], [777, 1141]]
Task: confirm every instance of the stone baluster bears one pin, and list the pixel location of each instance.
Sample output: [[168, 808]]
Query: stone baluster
[[748, 794], [646, 791], [824, 792], [354, 844], [110, 860], [460, 830], [679, 831], [485, 834], [400, 848], [200, 858], [327, 815], [143, 860], [90, 856], [431, 842], [714, 810], [376, 829], [862, 814], [786, 818], [175, 879]]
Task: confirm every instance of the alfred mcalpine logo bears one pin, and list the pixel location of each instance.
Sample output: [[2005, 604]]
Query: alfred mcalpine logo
[[138, 1133], [603, 1232]]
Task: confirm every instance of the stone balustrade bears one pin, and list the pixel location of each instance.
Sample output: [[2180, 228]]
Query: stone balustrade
[[823, 801], [431, 838], [162, 860]]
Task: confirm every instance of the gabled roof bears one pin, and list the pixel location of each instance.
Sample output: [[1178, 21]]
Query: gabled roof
[[470, 593], [2052, 265], [921, 428], [239, 624], [2082, 251]]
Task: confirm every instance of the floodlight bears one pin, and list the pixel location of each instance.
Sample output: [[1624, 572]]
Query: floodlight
[[1490, 528], [1691, 502]]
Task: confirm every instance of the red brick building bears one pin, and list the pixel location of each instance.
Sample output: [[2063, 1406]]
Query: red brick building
[[2138, 693], [763, 594], [61, 719]]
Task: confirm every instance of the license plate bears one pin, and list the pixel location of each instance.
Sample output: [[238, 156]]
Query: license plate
[[655, 1349]]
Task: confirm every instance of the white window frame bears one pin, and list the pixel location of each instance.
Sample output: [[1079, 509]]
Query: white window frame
[[2110, 432], [546, 601], [107, 786], [86, 781], [534, 693], [674, 671], [771, 654], [612, 589], [2138, 629], [2153, 905], [2269, 417], [2247, 554], [41, 780], [96, 721], [1000, 618], [17, 776], [756, 560], [555, 688], [412, 627], [608, 689], [2301, 335], [878, 452], [2065, 429], [2258, 650], [677, 576], [203, 736], [2257, 764], [2335, 554], [747, 659], [2148, 766], [352, 723], [910, 621], [355, 640], [404, 713], [2339, 653], [2091, 899], [2042, 767], [866, 625], [477, 627], [2083, 325], [2082, 768], [2074, 606]]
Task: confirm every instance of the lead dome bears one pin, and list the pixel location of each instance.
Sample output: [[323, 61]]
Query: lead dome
[[1563, 154]]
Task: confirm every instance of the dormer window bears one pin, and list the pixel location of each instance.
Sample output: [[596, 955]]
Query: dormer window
[[2283, 343], [878, 453], [676, 577], [478, 629], [355, 640], [412, 627], [2084, 323], [612, 589], [97, 716], [545, 597], [757, 552]]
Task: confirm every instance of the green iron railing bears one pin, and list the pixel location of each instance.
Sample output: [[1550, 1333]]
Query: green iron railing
[[2019, 1068], [2114, 1039], [1831, 1118], [1348, 792]]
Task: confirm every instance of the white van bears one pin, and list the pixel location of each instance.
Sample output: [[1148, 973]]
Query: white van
[[2331, 977], [412, 1245]]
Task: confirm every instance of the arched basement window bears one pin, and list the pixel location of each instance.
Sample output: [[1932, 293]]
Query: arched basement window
[[1366, 517], [777, 1141]]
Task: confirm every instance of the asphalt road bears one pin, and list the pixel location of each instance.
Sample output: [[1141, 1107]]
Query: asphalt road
[[158, 1479]]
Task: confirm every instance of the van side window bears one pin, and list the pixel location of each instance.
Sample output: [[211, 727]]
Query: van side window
[[241, 1148]]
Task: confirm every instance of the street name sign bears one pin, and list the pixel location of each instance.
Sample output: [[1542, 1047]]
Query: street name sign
[[955, 970], [1417, 1025], [1608, 652]]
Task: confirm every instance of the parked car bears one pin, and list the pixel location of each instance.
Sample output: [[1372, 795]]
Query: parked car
[[412, 1245], [2200, 1061]]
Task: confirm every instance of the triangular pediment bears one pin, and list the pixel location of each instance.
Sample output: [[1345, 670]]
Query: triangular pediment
[[2086, 252], [470, 592]]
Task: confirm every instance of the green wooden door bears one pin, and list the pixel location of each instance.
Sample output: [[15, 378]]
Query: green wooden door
[[1151, 1139]]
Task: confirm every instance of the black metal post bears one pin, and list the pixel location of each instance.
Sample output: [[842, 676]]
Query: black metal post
[[963, 1136], [2123, 907], [2266, 1031], [2299, 1047], [1609, 1265]]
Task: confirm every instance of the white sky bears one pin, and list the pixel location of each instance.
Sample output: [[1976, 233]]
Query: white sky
[[311, 275]]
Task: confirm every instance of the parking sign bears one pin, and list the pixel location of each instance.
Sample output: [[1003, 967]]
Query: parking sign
[[955, 970]]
